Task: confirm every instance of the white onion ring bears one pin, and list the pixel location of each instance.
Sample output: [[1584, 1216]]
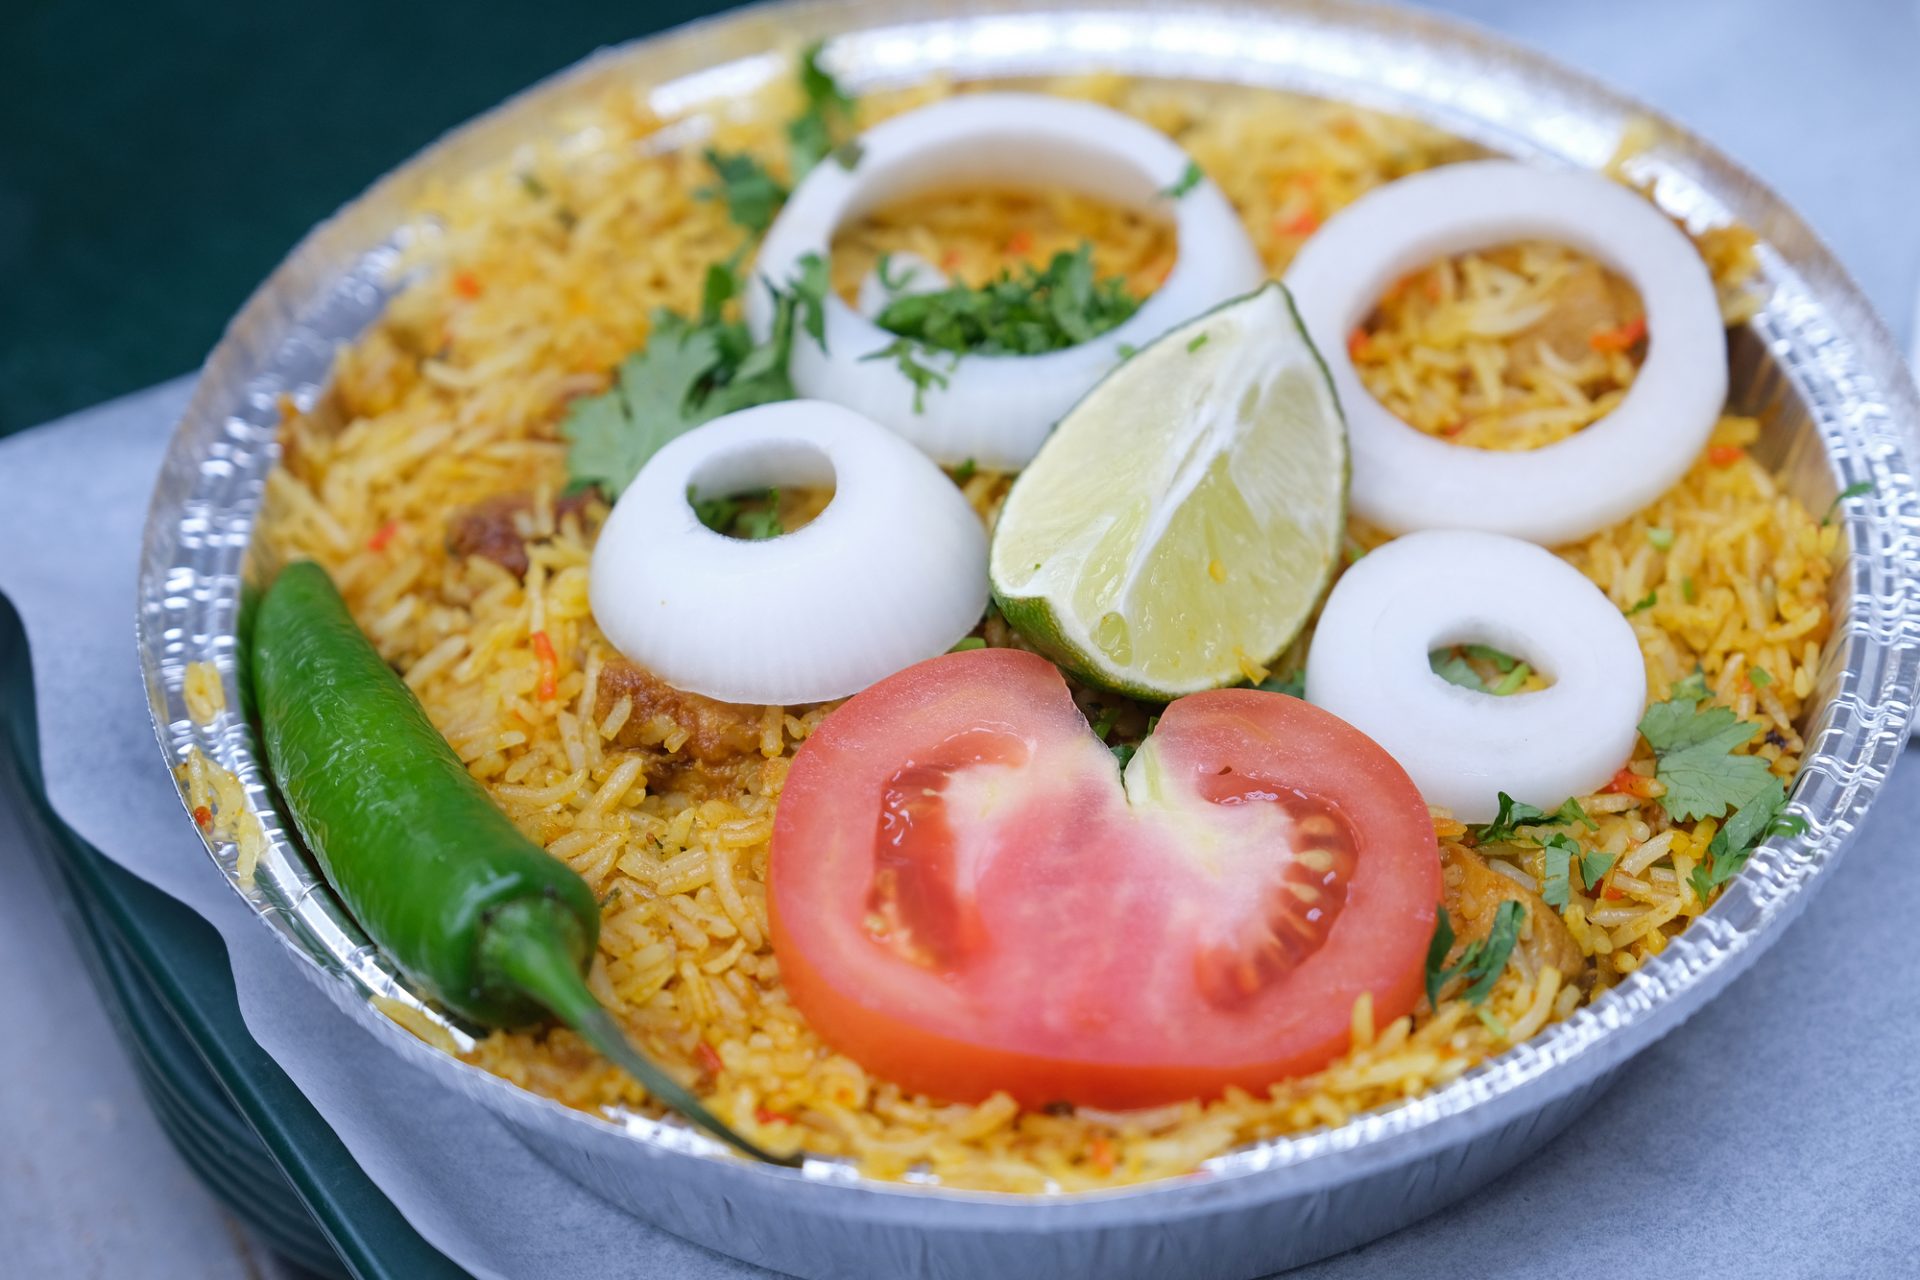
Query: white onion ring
[[1368, 665], [997, 410], [1404, 479], [893, 571]]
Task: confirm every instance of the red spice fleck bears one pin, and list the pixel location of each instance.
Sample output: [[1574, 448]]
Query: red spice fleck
[[1100, 1155], [466, 284], [1431, 286], [1627, 782], [1304, 223], [1621, 337], [1725, 455], [202, 816], [1357, 344], [950, 259], [383, 535], [709, 1060], [765, 1116], [1609, 890], [1020, 242], [549, 664], [1454, 428]]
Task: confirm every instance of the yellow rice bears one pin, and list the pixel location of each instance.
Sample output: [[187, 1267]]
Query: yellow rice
[[539, 275]]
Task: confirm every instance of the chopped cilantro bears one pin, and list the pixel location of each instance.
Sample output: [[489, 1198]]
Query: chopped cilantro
[[1694, 748], [1691, 689], [1759, 676], [1189, 179], [1293, 684], [1493, 1024], [1126, 351], [1123, 752], [1662, 539], [531, 184], [1196, 344], [1452, 665], [753, 516], [1561, 853], [690, 372], [1593, 865], [752, 194], [1733, 844], [1512, 815], [1104, 725], [1036, 311], [1480, 962], [810, 135], [965, 471], [905, 354], [970, 642], [1646, 601], [1687, 592], [1858, 489]]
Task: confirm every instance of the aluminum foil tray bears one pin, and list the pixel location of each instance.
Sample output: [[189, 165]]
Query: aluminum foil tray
[[1816, 364]]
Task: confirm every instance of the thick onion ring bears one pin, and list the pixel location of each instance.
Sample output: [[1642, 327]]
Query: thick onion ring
[[1404, 479], [893, 571], [997, 410], [1368, 665]]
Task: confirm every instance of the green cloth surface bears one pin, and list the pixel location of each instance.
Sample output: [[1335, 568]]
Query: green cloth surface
[[157, 159]]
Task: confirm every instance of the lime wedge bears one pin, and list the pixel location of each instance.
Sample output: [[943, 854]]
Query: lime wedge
[[1180, 525]]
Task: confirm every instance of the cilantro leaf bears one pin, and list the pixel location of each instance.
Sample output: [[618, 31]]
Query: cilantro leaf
[[1496, 947], [1513, 814], [730, 514], [1593, 865], [653, 400], [966, 643], [1694, 749], [905, 353], [689, 372], [1437, 971], [1734, 843], [752, 194], [1556, 886], [1661, 539], [1189, 179], [1646, 601], [810, 135], [1692, 689], [1453, 665], [1482, 960], [1858, 489]]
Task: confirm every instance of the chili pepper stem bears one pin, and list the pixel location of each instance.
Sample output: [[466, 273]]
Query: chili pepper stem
[[525, 947]]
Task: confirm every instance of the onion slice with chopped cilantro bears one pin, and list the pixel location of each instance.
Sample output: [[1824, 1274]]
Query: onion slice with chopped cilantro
[[997, 408], [894, 570], [1370, 664], [1404, 479]]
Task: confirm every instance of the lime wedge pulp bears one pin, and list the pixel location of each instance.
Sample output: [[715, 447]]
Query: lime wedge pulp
[[1179, 526]]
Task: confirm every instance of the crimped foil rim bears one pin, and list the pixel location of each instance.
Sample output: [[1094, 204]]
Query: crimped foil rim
[[1835, 351]]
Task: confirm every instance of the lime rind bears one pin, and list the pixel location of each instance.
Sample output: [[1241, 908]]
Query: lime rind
[[1185, 518]]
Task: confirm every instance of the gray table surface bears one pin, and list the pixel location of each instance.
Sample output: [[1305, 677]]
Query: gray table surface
[[1775, 1135]]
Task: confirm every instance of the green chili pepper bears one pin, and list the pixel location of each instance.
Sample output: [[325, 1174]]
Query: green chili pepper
[[471, 910]]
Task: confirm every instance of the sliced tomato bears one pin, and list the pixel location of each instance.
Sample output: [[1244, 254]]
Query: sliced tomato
[[966, 897]]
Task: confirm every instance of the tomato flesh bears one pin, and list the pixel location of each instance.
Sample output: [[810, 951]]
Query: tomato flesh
[[968, 896]]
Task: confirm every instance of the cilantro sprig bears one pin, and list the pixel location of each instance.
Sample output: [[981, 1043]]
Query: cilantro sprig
[[1564, 857], [1481, 961], [1189, 178], [751, 193], [1697, 758], [1455, 665], [691, 371], [1033, 311], [1513, 814]]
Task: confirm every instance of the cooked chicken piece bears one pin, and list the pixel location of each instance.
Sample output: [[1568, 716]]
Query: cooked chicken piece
[[1590, 302], [496, 528], [1473, 891], [716, 731]]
